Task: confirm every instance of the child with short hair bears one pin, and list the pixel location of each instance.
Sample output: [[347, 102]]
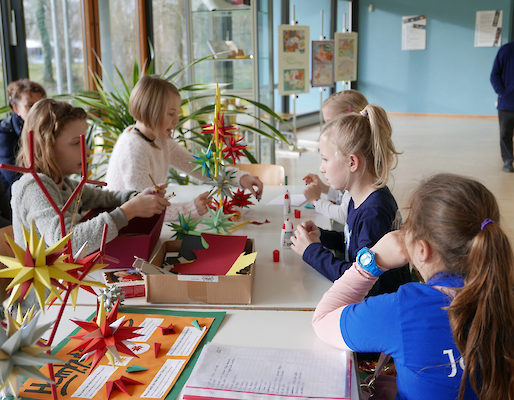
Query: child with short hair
[[451, 337], [22, 95], [57, 127], [357, 154], [146, 150], [335, 206]]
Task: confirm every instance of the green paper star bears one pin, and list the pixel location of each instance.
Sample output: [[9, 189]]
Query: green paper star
[[185, 226], [217, 221], [204, 161]]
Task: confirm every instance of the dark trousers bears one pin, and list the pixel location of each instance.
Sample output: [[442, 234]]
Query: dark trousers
[[506, 119]]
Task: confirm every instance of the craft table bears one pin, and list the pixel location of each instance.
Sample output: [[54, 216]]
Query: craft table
[[249, 328], [290, 284]]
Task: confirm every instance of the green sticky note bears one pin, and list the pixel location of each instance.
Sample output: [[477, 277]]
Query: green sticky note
[[196, 324], [136, 368]]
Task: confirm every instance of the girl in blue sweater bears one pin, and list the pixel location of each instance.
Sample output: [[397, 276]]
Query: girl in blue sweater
[[452, 336], [357, 154]]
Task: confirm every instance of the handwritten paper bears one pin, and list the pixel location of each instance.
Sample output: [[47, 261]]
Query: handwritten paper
[[227, 371], [148, 327], [94, 382], [163, 380], [186, 342]]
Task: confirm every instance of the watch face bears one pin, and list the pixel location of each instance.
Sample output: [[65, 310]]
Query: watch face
[[365, 259]]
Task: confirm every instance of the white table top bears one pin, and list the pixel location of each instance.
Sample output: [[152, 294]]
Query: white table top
[[290, 284]]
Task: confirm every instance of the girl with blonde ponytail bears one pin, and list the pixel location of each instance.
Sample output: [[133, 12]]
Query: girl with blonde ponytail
[[357, 154], [453, 336]]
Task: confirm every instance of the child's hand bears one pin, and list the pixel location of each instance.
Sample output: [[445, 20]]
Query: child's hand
[[159, 190], [315, 180], [302, 239], [390, 251], [144, 205], [202, 203], [249, 182], [312, 193], [311, 227]]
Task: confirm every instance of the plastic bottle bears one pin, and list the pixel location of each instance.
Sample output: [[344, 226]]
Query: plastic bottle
[[287, 232], [287, 204]]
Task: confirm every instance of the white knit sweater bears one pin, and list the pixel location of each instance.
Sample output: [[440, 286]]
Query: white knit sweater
[[133, 160]]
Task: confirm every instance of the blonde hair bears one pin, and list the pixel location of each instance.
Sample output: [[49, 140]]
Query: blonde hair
[[345, 102], [46, 119], [368, 135], [148, 99]]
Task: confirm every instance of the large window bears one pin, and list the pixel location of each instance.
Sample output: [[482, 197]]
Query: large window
[[169, 32], [119, 39], [54, 44]]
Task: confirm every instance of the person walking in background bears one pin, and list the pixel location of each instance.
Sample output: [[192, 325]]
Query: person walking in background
[[502, 79]]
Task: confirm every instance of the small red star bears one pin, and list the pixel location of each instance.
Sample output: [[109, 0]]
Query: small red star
[[119, 384]]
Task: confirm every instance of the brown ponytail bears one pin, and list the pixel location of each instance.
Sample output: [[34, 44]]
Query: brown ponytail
[[448, 211]]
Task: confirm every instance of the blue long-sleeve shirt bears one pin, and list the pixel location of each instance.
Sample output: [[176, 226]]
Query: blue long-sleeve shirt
[[365, 225], [502, 77], [10, 131]]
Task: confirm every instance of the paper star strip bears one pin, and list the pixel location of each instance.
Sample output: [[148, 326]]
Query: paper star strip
[[20, 357], [120, 384], [36, 267], [106, 335]]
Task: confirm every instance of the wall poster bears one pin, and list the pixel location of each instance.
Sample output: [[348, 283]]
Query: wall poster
[[414, 32], [346, 45], [322, 63], [488, 28], [293, 59]]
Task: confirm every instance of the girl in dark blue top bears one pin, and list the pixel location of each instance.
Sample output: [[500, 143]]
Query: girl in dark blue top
[[451, 338], [357, 154]]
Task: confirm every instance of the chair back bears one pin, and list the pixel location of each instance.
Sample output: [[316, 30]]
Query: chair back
[[269, 174], [5, 250]]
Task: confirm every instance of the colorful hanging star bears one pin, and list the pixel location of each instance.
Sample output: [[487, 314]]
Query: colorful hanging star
[[37, 267], [106, 335], [185, 226], [205, 161], [233, 149], [222, 184], [241, 199], [224, 131], [20, 354], [217, 221]]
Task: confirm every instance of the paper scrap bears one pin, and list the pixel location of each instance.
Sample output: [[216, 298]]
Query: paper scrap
[[95, 382], [243, 261], [186, 342], [136, 368], [162, 381]]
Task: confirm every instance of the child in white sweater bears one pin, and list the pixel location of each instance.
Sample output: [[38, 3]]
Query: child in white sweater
[[335, 206], [57, 127], [147, 150]]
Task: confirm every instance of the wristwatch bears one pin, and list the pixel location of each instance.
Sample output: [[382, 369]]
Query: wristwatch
[[366, 260]]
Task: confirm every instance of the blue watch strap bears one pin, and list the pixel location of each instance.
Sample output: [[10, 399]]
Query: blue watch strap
[[371, 267]]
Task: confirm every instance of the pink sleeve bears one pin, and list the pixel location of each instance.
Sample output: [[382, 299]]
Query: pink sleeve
[[350, 288]]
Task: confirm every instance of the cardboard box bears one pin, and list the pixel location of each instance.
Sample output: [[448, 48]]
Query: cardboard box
[[208, 289], [131, 287], [137, 239]]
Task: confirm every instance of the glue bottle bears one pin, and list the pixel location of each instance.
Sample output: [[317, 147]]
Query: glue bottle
[[287, 232], [287, 204]]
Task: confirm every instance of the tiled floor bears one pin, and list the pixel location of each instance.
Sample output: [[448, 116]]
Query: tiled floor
[[466, 146]]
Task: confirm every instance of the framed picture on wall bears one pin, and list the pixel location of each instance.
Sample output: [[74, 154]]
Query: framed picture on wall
[[345, 57], [293, 59], [322, 63]]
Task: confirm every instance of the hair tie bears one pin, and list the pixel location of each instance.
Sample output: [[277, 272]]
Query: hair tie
[[364, 113], [350, 108], [486, 222]]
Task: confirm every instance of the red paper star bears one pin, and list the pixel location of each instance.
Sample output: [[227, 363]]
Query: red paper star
[[233, 149], [227, 206], [240, 198], [223, 131], [119, 384], [104, 336]]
